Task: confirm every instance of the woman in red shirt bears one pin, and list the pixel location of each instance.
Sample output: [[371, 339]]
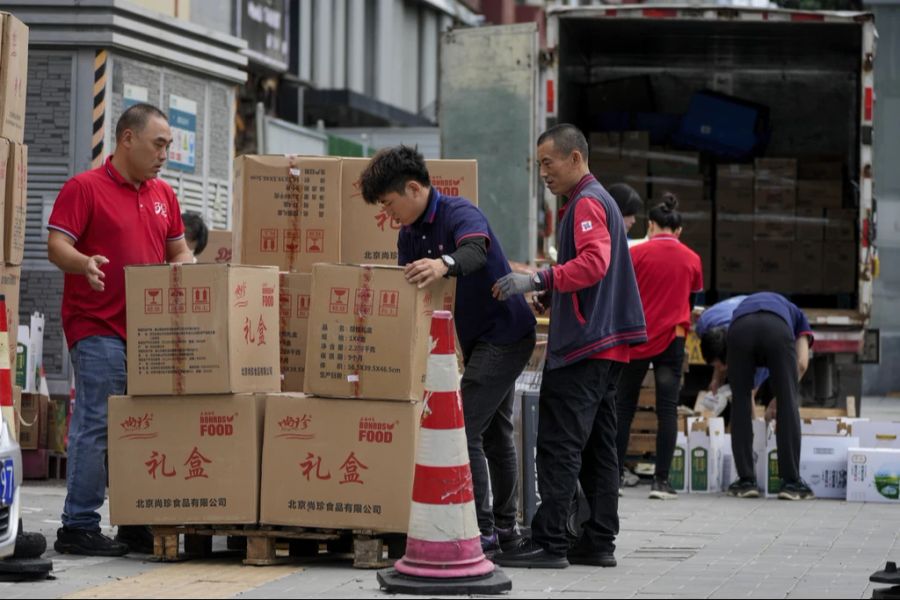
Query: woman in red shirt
[[668, 273]]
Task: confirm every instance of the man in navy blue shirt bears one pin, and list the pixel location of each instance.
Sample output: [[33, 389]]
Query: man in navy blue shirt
[[446, 236], [764, 330]]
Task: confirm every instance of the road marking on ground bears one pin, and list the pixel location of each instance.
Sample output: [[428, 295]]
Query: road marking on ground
[[191, 579]]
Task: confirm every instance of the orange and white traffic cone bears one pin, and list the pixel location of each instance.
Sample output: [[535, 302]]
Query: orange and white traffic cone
[[443, 547], [6, 390]]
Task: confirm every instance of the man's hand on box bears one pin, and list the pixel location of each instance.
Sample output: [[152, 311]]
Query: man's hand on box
[[93, 273], [424, 272]]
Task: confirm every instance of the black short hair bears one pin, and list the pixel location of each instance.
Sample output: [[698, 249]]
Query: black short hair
[[713, 345], [135, 118], [566, 139], [390, 170], [627, 198], [665, 214], [195, 230]]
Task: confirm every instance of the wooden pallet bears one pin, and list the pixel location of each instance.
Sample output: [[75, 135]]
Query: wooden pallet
[[644, 422], [640, 444], [265, 545]]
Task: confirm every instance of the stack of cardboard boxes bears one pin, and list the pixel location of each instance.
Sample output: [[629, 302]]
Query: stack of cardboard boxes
[[212, 432], [13, 169]]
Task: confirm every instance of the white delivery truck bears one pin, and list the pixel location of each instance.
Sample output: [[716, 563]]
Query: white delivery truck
[[809, 72]]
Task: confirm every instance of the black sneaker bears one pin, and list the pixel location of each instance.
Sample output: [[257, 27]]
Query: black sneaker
[[795, 490], [528, 555], [137, 537], [510, 538], [579, 555], [87, 543], [744, 488], [662, 490]]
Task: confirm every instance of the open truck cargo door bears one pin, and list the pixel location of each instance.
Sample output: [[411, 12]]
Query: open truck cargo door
[[488, 111]]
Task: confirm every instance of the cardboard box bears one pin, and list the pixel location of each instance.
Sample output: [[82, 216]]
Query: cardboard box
[[734, 267], [779, 170], [877, 434], [823, 464], [370, 332], [673, 163], [10, 285], [734, 229], [873, 475], [218, 249], [736, 171], [820, 194], [810, 224], [808, 267], [287, 211], [294, 303], [841, 275], [202, 329], [13, 78], [821, 169], [679, 469], [774, 198], [771, 482], [696, 229], [779, 225], [33, 421], [773, 266], [706, 443], [342, 464], [371, 234], [690, 192], [15, 205], [185, 460], [735, 195], [605, 144], [841, 224]]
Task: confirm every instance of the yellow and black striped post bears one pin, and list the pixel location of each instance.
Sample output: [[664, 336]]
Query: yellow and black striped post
[[99, 108]]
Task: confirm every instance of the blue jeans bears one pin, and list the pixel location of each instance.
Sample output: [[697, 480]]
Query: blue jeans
[[99, 363]]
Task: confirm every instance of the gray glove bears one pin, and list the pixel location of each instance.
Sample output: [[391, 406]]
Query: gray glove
[[516, 283]]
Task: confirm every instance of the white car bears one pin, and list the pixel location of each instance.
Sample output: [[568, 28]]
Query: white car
[[10, 482]]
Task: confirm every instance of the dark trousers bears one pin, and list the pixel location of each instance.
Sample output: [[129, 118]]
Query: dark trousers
[[667, 368], [488, 392], [577, 440], [764, 339]]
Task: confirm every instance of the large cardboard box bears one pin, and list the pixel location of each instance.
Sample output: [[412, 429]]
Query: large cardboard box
[[807, 267], [15, 204], [823, 464], [294, 303], [33, 421], [673, 163], [774, 224], [706, 447], [776, 169], [877, 434], [773, 266], [202, 329], [369, 234], [342, 464], [873, 475], [820, 194], [218, 248], [690, 191], [841, 224], [606, 144], [735, 196], [10, 286], [287, 211], [13, 77], [635, 144], [185, 460], [632, 171], [734, 229], [810, 224], [369, 332], [734, 267], [840, 275], [774, 198]]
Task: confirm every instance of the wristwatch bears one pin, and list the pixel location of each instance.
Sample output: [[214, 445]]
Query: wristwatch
[[450, 262]]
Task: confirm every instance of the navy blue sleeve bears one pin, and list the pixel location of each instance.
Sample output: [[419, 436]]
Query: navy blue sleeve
[[801, 324], [465, 221]]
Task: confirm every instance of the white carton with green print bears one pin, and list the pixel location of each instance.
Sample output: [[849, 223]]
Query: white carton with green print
[[873, 475], [706, 451]]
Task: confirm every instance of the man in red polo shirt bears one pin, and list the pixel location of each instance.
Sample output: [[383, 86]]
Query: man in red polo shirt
[[117, 215]]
